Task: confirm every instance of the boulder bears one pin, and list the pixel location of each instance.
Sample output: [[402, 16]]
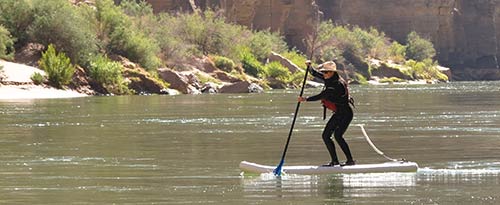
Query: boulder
[[385, 70], [241, 87], [177, 81], [285, 62], [255, 88], [223, 76], [142, 82], [210, 88]]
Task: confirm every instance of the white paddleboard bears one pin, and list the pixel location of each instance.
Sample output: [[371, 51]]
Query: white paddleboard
[[399, 166]]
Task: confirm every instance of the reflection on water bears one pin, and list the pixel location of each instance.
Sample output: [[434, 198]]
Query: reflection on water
[[313, 185], [186, 149]]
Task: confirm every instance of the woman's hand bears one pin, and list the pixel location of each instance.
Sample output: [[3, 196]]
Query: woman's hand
[[301, 99]]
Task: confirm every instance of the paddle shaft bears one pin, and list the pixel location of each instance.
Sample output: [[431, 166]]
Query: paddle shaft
[[295, 115]]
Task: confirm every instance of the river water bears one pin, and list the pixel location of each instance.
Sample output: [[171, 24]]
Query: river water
[[186, 149]]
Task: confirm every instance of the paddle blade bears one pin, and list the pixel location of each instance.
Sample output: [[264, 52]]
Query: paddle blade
[[277, 171]]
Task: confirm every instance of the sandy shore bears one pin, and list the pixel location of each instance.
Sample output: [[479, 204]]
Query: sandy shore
[[16, 74], [8, 92]]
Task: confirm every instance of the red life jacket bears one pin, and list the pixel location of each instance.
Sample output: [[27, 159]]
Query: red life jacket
[[329, 105]]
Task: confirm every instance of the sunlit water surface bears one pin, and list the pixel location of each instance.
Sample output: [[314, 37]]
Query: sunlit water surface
[[186, 149]]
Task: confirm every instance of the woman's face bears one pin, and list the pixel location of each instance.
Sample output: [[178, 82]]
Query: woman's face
[[327, 74]]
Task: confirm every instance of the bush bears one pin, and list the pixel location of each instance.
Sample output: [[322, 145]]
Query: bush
[[397, 52], [224, 63], [296, 79], [16, 16], [58, 67], [418, 48], [6, 44], [121, 37], [60, 23], [250, 64], [296, 57], [107, 73], [426, 69], [263, 42], [391, 80], [277, 71], [360, 78], [37, 78]]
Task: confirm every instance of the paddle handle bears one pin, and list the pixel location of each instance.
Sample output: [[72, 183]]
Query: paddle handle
[[277, 171]]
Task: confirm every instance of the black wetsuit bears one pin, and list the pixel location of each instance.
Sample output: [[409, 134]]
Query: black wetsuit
[[335, 91]]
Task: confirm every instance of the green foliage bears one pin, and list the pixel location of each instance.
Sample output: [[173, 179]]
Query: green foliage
[[58, 67], [397, 52], [16, 16], [263, 42], [6, 44], [136, 8], [419, 48], [59, 23], [336, 41], [296, 57], [250, 64], [37, 78], [118, 35], [108, 73], [391, 80], [206, 78], [360, 78], [296, 79], [277, 71], [224, 63], [426, 69]]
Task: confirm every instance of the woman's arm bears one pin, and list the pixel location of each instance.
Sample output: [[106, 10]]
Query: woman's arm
[[316, 73]]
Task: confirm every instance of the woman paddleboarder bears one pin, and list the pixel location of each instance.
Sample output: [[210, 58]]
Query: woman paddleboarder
[[335, 97]]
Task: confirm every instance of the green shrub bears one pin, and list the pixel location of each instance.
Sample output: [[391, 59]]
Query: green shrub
[[296, 79], [16, 16], [121, 37], [426, 69], [60, 23], [136, 8], [373, 43], [277, 71], [419, 48], [6, 44], [58, 67], [263, 42], [360, 78], [37, 78], [204, 78], [397, 52], [250, 64], [224, 63], [107, 73], [391, 80], [296, 57]]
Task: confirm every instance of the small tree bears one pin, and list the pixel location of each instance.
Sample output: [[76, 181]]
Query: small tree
[[419, 48], [108, 74], [6, 44], [58, 67]]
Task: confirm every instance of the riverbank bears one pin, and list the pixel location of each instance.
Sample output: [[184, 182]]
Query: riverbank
[[16, 83], [12, 92]]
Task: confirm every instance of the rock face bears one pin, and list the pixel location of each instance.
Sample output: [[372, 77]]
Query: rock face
[[465, 32]]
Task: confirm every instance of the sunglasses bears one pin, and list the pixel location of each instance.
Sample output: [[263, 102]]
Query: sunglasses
[[325, 72]]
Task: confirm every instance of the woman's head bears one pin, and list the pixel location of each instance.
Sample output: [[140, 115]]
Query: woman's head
[[328, 69]]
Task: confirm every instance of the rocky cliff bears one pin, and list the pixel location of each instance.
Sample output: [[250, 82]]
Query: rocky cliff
[[464, 32]]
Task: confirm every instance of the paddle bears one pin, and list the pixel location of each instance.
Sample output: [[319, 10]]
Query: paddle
[[277, 171], [311, 42]]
